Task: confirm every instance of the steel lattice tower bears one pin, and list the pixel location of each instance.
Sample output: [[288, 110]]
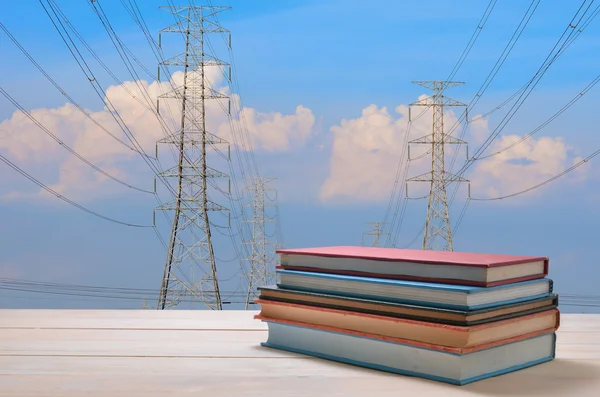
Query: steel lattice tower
[[438, 235], [262, 250], [377, 232], [190, 272]]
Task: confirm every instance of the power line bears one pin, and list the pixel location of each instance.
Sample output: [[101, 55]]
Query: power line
[[64, 145], [508, 48], [524, 22], [91, 291], [243, 129], [61, 90], [242, 140], [547, 181], [65, 199], [526, 136], [394, 226], [97, 88], [539, 74], [234, 202], [541, 71], [129, 293], [121, 50], [163, 65], [533, 82], [137, 16], [101, 93], [545, 123]]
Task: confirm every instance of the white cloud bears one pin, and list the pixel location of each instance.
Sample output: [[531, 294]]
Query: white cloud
[[526, 164], [366, 151], [478, 130], [274, 132], [32, 149]]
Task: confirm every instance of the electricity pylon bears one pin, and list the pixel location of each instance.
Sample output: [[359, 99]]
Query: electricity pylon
[[190, 273], [261, 260], [377, 232], [438, 235]]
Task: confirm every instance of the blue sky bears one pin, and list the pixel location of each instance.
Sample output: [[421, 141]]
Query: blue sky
[[335, 58]]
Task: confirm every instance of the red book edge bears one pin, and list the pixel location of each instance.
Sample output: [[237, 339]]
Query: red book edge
[[430, 346], [515, 260], [469, 283]]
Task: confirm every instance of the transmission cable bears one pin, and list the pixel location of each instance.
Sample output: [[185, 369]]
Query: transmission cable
[[539, 74], [60, 196], [64, 145], [535, 80], [394, 231], [61, 90], [545, 123]]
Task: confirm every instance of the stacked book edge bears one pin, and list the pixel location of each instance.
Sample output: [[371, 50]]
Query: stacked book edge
[[398, 311]]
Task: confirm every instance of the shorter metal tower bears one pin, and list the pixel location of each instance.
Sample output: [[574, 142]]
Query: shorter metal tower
[[262, 259], [377, 232], [438, 235]]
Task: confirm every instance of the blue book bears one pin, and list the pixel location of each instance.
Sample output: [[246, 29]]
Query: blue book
[[411, 359], [448, 296]]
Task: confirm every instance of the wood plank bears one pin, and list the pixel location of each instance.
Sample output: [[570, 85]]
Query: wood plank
[[189, 342], [186, 319], [166, 343], [130, 319], [129, 343], [60, 352], [579, 322], [570, 338], [54, 376]]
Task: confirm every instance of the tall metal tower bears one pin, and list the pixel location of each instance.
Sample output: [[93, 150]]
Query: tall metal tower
[[438, 235], [377, 232], [190, 272], [262, 250]]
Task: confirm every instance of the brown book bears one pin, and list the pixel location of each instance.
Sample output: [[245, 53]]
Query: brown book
[[419, 331], [414, 312]]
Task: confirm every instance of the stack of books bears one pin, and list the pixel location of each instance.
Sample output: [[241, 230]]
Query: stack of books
[[447, 316]]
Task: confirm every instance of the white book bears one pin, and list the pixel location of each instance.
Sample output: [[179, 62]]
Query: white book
[[412, 359]]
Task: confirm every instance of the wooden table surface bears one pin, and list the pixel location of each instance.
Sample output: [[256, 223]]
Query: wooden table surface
[[207, 353]]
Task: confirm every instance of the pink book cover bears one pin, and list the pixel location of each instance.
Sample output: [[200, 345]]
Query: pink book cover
[[455, 350], [416, 256]]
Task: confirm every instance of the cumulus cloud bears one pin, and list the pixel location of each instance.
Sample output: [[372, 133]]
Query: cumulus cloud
[[273, 132], [366, 152], [524, 165], [27, 145], [478, 130]]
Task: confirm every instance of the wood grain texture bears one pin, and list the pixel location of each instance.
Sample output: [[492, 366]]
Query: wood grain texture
[[180, 353], [130, 319]]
